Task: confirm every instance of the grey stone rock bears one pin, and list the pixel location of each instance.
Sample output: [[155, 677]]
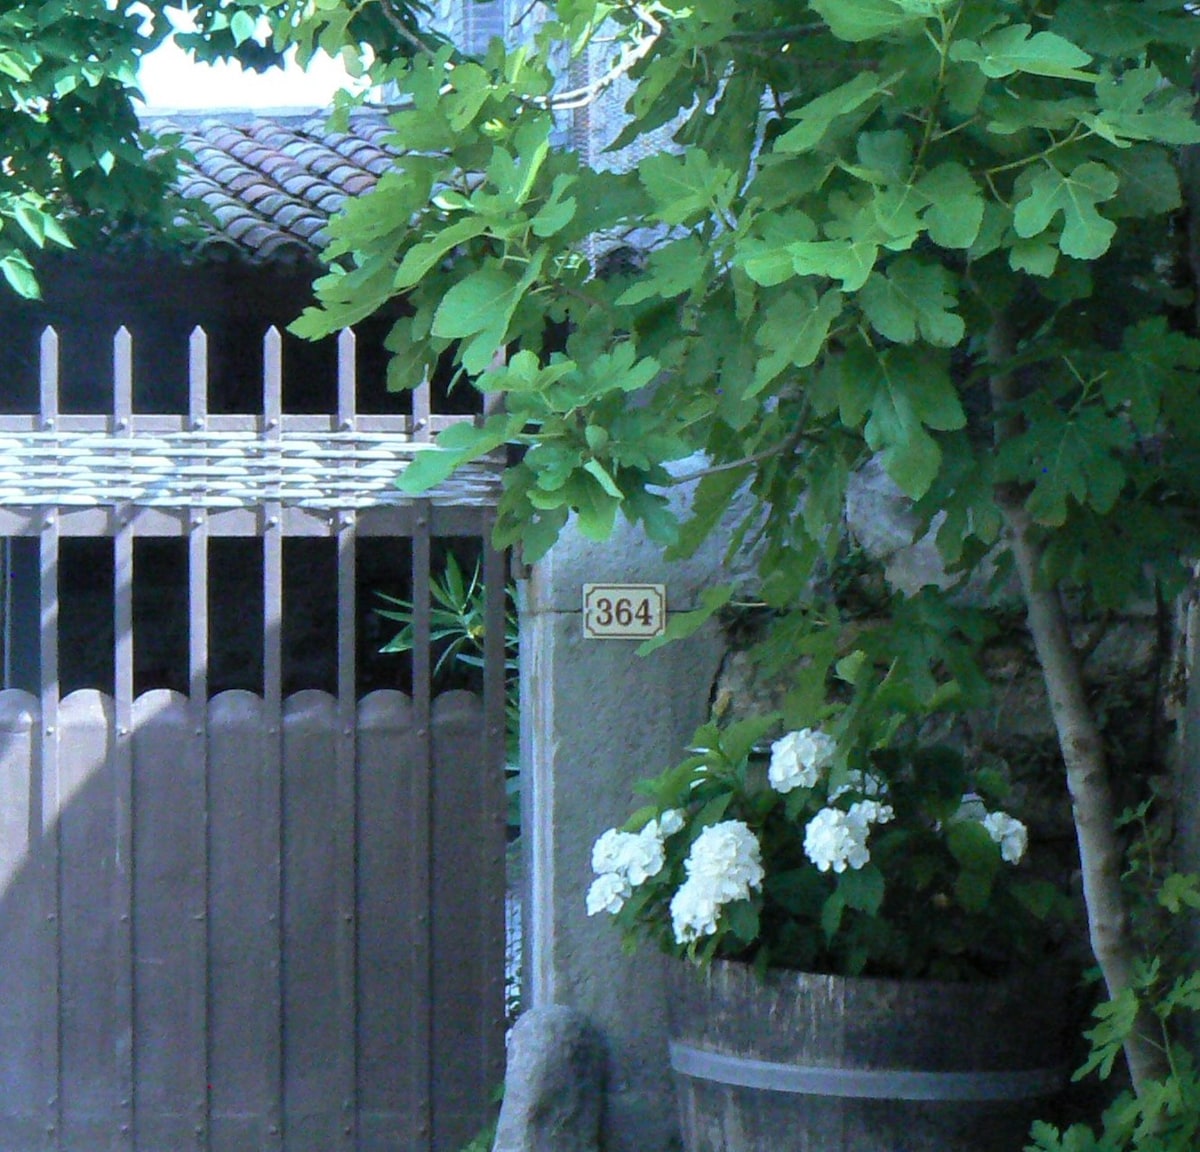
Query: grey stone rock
[[554, 1086], [880, 518]]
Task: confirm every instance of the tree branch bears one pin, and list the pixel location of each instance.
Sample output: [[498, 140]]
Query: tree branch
[[582, 97], [1079, 738], [784, 446], [402, 29]]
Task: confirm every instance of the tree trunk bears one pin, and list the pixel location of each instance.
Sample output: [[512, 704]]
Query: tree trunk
[[1079, 740]]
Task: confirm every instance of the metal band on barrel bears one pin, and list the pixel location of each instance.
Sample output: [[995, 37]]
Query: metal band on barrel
[[862, 1083]]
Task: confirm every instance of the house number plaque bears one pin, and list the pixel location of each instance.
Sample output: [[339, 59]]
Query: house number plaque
[[624, 611]]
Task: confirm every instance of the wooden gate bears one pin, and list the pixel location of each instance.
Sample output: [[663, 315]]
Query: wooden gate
[[245, 922]]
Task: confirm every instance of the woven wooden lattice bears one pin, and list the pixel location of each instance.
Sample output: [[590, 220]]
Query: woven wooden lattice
[[219, 470], [342, 461]]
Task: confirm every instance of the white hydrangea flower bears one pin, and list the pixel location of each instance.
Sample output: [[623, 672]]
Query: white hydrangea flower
[[833, 840], [726, 858], [799, 758], [608, 893], [607, 851], [636, 856], [694, 910], [670, 822], [866, 783], [1009, 833], [867, 812]]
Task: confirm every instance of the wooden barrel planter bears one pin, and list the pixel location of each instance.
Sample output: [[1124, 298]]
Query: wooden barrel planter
[[808, 1063]]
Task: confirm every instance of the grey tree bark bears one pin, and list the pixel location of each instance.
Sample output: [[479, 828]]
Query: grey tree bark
[[1079, 737]]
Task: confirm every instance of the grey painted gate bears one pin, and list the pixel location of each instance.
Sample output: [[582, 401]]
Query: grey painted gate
[[245, 922]]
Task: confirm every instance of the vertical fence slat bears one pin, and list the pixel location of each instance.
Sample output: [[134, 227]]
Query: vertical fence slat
[[48, 865], [93, 1023], [493, 797], [169, 837], [24, 1085], [273, 714], [199, 1006], [346, 821], [243, 898], [312, 1013], [460, 894], [422, 405], [122, 875], [391, 964], [421, 820]]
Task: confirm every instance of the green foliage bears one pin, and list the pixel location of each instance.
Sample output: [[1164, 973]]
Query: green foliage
[[76, 162], [1164, 1116], [458, 630], [852, 203]]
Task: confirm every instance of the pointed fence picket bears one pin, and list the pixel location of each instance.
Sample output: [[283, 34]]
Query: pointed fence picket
[[245, 922]]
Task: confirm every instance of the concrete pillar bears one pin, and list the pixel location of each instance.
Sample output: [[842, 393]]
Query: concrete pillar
[[596, 718]]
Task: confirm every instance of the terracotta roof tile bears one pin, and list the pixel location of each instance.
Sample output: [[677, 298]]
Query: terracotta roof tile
[[271, 182]]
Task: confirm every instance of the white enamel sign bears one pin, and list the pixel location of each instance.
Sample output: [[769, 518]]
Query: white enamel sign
[[624, 611]]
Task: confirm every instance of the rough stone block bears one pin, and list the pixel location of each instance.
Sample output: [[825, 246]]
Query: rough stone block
[[554, 1086]]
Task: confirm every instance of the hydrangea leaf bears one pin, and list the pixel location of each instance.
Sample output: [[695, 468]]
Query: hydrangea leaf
[[1086, 234], [862, 889], [973, 847], [817, 117], [741, 917]]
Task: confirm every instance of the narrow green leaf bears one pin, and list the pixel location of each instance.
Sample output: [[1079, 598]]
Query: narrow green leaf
[[421, 258], [20, 276], [455, 446], [817, 117], [681, 625], [862, 889]]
